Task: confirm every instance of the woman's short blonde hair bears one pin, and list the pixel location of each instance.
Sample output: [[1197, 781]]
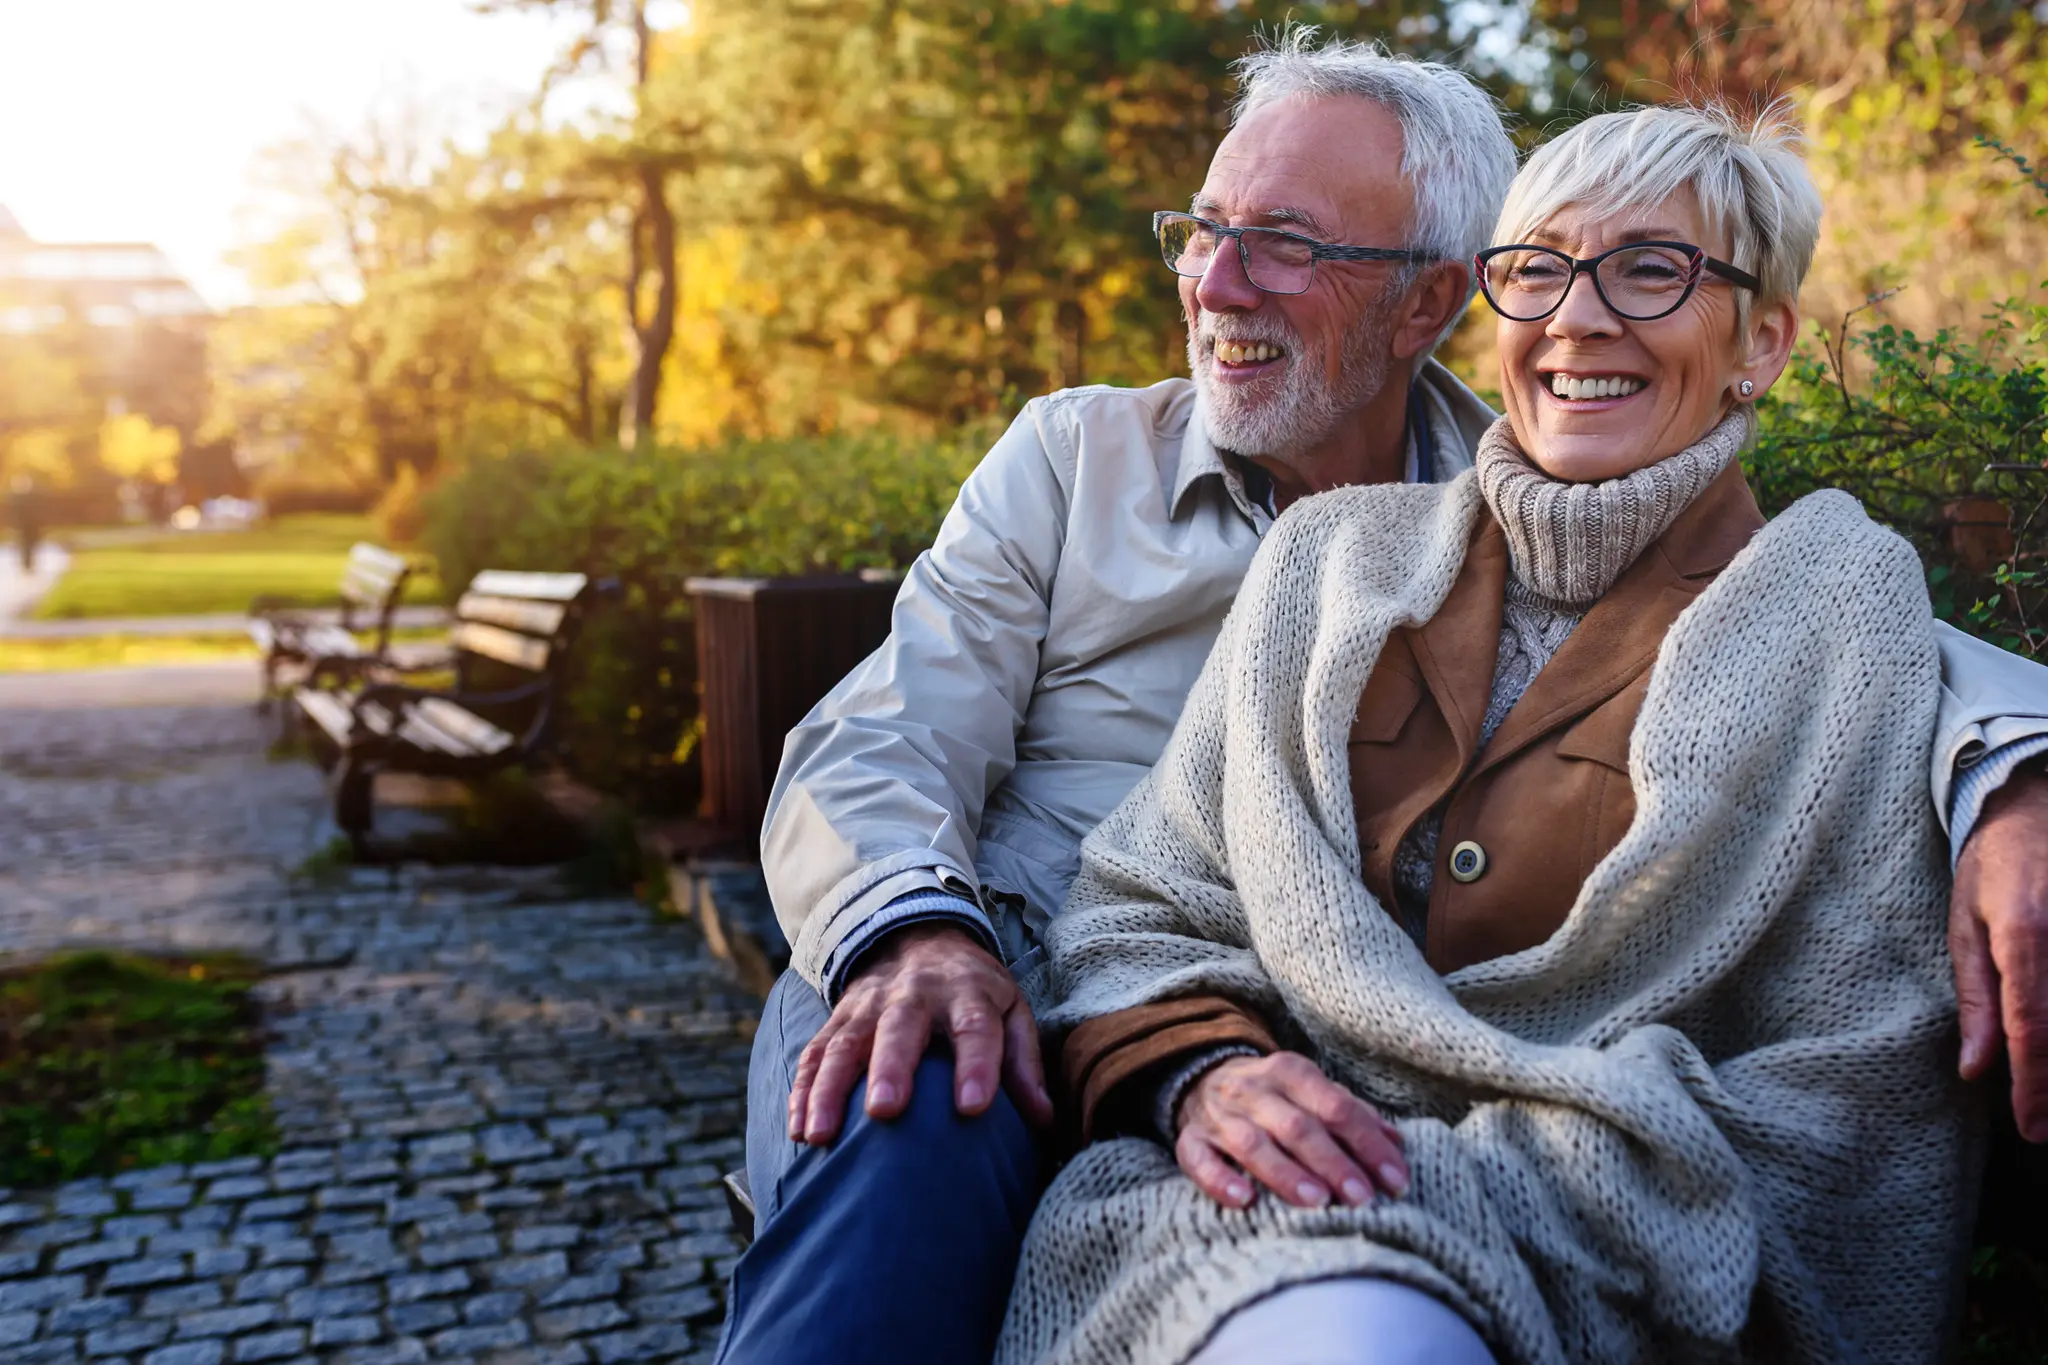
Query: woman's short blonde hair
[[1748, 175]]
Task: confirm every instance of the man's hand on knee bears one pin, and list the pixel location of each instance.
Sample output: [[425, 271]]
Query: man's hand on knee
[[924, 980], [1998, 936]]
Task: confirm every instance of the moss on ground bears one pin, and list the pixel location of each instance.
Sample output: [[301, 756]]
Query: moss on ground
[[112, 1061]]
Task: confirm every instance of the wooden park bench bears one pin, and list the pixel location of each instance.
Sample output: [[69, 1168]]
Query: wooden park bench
[[371, 583], [511, 636]]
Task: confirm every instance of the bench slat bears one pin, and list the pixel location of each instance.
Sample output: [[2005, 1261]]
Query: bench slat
[[473, 733], [328, 710], [548, 587], [375, 559], [371, 574], [493, 642], [526, 617], [417, 732], [331, 642]]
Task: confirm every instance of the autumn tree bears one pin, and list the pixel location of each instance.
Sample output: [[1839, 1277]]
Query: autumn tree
[[643, 158], [1894, 96]]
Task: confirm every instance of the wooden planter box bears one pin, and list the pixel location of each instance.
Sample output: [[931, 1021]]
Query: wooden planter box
[[1979, 532], [767, 650]]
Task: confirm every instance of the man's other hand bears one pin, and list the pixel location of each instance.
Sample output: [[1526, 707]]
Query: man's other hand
[[924, 978], [1998, 937]]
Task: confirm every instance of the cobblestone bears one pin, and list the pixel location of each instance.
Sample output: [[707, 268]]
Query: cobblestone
[[16, 1328], [122, 1337], [494, 1097], [186, 1298], [424, 1317], [586, 1317], [346, 1331], [97, 1253], [21, 1295], [147, 1271], [270, 1284], [227, 1322], [276, 1345], [188, 1353], [82, 1315]]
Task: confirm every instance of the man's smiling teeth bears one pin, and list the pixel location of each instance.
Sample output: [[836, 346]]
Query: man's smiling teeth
[[1617, 386], [1240, 352]]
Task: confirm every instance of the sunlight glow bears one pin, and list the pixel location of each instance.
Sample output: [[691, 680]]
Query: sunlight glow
[[139, 120]]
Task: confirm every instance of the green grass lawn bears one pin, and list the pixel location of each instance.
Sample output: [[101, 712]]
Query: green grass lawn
[[176, 573], [110, 1061], [69, 653]]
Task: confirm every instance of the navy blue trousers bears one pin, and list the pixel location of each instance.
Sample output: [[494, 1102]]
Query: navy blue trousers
[[896, 1243]]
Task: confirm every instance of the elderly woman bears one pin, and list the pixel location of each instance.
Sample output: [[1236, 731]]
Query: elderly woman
[[1531, 942]]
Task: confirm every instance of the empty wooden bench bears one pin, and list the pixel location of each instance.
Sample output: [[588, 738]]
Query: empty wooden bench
[[511, 637], [372, 581]]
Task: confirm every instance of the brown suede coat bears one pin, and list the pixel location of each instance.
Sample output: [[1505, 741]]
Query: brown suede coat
[[1546, 800]]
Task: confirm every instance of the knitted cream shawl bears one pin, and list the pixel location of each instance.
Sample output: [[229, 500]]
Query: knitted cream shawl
[[1725, 1081]]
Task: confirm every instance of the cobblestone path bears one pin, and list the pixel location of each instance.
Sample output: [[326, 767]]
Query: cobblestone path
[[505, 1109]]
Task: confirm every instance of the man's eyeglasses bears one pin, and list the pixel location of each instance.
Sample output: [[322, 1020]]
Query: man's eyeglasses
[[1276, 262], [1642, 281]]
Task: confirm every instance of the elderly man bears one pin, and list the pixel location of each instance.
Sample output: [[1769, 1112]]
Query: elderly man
[[927, 815]]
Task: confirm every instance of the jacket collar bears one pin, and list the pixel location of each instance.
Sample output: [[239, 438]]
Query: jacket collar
[[1621, 634], [1457, 418], [1458, 647]]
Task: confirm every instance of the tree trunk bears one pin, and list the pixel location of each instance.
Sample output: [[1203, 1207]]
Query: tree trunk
[[650, 338]]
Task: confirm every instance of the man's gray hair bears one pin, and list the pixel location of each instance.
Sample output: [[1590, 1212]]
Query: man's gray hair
[[1455, 151], [1748, 175]]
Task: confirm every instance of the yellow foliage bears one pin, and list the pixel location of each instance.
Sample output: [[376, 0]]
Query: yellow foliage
[[133, 447], [41, 453]]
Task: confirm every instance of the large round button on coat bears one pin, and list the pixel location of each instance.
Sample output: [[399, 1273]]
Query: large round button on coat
[[1468, 862]]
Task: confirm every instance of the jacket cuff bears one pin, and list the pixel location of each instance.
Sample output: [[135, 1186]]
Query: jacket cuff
[[1975, 784], [917, 907], [1103, 1055], [1166, 1103], [861, 895]]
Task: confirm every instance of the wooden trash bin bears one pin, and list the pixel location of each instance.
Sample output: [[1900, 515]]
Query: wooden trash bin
[[767, 650]]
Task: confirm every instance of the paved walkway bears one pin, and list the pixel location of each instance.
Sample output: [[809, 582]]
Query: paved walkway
[[213, 683], [18, 590], [504, 1107]]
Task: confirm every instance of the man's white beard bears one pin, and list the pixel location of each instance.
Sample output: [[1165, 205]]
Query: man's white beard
[[1284, 416]]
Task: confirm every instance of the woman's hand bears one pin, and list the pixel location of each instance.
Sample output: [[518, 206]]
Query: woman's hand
[[1280, 1120]]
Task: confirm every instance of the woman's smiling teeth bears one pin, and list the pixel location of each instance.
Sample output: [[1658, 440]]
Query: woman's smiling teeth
[[1246, 352], [1594, 386]]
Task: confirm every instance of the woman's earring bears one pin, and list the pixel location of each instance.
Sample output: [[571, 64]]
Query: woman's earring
[[1745, 388]]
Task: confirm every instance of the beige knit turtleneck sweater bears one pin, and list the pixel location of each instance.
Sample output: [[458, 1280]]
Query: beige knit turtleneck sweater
[[1568, 543]]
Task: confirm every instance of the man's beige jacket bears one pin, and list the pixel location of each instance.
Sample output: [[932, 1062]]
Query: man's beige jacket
[[1040, 654]]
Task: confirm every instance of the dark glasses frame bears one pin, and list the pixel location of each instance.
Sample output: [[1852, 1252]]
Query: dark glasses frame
[[1699, 264], [1317, 251]]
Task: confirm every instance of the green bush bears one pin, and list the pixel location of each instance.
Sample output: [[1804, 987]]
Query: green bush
[[1944, 438], [652, 519]]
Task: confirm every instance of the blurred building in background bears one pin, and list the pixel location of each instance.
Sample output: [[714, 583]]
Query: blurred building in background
[[104, 345], [46, 285]]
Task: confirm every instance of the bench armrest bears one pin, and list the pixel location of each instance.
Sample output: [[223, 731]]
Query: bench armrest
[[338, 668]]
